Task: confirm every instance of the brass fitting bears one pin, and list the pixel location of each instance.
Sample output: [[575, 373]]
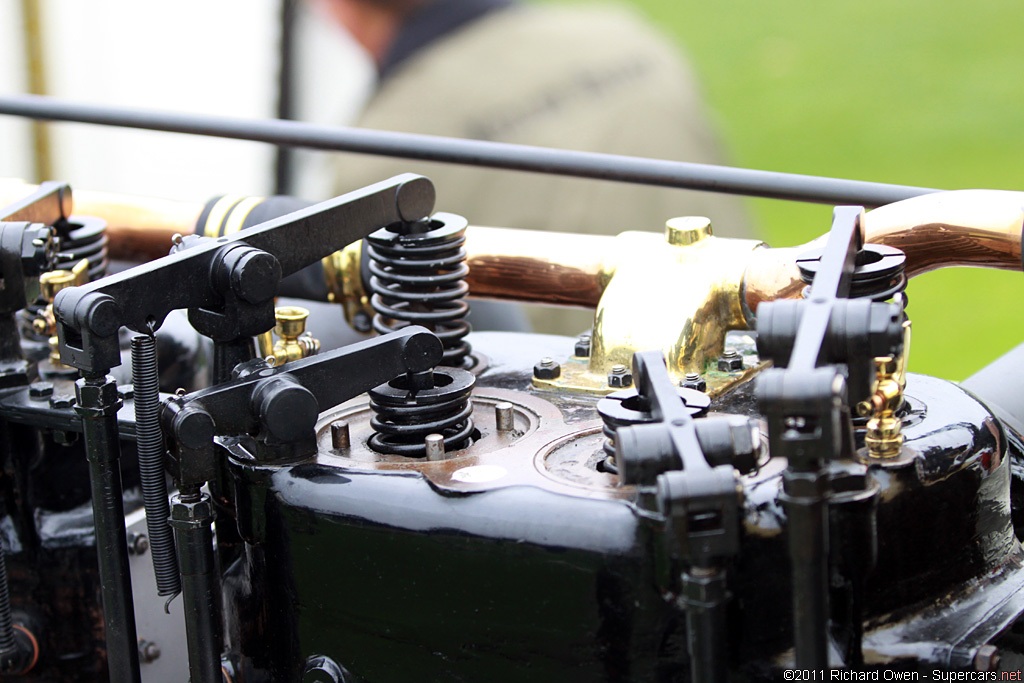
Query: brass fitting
[[49, 284], [679, 292], [294, 342], [884, 438]]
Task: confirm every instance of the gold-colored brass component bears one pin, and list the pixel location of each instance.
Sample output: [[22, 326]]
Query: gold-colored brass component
[[679, 293], [884, 438], [49, 284], [345, 283], [294, 342]]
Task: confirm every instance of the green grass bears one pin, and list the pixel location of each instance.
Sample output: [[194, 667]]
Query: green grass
[[911, 92]]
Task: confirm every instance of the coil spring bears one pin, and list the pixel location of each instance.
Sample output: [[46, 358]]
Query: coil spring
[[878, 273], [150, 441], [84, 238], [7, 642], [627, 408], [419, 278], [408, 408]]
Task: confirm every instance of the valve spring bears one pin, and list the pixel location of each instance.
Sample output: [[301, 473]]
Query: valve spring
[[410, 407], [878, 271], [419, 278], [150, 443], [627, 408], [83, 238]]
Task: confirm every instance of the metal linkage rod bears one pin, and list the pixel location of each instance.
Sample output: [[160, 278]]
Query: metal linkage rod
[[625, 169]]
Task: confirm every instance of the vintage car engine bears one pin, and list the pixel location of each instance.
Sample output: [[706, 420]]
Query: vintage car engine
[[735, 481]]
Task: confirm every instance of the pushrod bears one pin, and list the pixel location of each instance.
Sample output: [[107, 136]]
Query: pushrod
[[679, 174]]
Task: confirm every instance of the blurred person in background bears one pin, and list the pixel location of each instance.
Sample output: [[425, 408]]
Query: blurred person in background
[[585, 77]]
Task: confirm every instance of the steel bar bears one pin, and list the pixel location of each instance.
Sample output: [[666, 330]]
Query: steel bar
[[661, 172], [97, 404]]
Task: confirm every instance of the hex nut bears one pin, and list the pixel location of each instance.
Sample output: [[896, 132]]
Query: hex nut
[[40, 390], [620, 377], [693, 380], [61, 401], [91, 395], [547, 369], [583, 344], [730, 361]]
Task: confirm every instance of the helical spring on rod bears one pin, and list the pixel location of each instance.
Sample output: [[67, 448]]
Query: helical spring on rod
[[150, 443], [419, 278], [415, 408]]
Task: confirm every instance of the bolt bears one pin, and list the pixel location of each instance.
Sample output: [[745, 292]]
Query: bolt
[[138, 544], [340, 435], [38, 391], [435, 446], [504, 418], [620, 376], [148, 652], [693, 380], [547, 369], [730, 361], [582, 346], [986, 658], [62, 401]]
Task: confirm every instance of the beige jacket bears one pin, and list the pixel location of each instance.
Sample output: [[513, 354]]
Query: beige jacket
[[586, 77]]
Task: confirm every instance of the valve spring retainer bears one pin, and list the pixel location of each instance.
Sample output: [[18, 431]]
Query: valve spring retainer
[[626, 408], [410, 407], [419, 278], [878, 273]]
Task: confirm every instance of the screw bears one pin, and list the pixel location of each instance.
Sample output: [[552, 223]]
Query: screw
[[547, 369], [582, 346], [504, 418], [138, 544], [435, 446], [620, 376], [37, 391], [340, 436], [730, 361], [986, 658], [148, 652], [693, 380]]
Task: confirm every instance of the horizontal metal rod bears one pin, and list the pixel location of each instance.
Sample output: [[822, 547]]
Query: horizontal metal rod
[[679, 174]]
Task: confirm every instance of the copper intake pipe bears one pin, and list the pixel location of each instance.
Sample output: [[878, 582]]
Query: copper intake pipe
[[980, 228]]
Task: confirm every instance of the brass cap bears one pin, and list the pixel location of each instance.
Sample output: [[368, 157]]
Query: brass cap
[[687, 230], [291, 321]]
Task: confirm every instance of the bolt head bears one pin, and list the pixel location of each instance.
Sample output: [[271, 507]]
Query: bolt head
[[547, 369]]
